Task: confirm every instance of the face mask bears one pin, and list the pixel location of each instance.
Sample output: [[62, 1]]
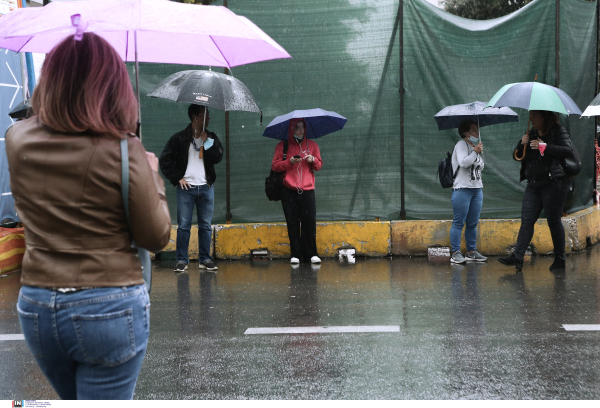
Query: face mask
[[298, 139], [474, 140]]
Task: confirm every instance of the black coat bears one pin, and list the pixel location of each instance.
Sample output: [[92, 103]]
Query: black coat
[[538, 167], [174, 157]]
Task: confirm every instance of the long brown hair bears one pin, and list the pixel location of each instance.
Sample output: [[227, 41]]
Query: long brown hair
[[550, 120], [84, 87]]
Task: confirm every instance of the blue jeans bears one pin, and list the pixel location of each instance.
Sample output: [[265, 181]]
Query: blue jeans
[[204, 198], [90, 344], [466, 204]]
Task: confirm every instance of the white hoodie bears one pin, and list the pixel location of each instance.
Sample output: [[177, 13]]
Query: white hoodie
[[471, 165]]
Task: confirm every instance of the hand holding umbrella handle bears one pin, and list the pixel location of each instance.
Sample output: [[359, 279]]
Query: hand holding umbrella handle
[[517, 158]]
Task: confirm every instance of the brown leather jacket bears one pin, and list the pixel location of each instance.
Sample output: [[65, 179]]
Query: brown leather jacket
[[67, 191]]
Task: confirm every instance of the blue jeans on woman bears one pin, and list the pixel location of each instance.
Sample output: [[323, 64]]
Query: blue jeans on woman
[[90, 343], [203, 197], [466, 203]]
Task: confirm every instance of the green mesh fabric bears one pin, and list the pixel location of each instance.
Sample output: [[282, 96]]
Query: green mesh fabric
[[346, 59]]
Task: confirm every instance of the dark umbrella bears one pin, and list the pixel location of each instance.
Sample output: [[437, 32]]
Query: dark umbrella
[[21, 111], [452, 116], [319, 123]]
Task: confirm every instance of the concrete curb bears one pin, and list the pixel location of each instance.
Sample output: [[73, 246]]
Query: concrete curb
[[384, 238]]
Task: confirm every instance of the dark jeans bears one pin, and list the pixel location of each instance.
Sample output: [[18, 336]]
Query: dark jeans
[[550, 196], [301, 217]]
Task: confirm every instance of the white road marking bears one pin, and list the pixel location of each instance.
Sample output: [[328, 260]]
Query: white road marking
[[5, 337], [322, 329], [581, 327]]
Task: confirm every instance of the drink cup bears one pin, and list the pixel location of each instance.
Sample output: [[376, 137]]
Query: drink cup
[[542, 147]]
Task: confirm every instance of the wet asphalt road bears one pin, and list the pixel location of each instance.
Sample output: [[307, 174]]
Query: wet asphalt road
[[478, 331]]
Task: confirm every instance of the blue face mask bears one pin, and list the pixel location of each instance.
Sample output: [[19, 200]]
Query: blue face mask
[[474, 140]]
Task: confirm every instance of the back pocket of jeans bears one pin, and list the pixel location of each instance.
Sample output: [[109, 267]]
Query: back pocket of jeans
[[30, 327], [106, 339]]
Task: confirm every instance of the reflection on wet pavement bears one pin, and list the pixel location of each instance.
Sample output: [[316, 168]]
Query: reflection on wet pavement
[[465, 331]]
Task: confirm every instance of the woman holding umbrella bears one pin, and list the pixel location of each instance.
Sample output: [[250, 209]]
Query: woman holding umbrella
[[547, 184], [298, 200], [467, 194]]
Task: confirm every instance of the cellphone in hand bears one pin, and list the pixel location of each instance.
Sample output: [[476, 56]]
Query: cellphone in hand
[[296, 157]]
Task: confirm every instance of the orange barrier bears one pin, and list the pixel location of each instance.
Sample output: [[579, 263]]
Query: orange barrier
[[12, 248]]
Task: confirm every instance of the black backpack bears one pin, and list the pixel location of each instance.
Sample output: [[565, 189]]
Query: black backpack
[[445, 172], [274, 183]]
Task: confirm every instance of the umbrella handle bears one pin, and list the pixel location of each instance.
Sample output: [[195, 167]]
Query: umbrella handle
[[525, 146]]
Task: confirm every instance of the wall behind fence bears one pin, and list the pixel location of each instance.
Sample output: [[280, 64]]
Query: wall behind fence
[[346, 59]]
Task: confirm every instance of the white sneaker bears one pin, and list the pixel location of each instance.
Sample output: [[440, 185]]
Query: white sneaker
[[294, 260], [315, 259]]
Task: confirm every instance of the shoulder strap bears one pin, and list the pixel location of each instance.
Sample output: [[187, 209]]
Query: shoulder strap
[[285, 147], [125, 177]]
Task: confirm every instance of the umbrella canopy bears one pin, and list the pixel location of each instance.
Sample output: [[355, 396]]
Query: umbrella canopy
[[534, 96], [594, 107], [206, 88], [320, 123], [166, 31], [452, 116]]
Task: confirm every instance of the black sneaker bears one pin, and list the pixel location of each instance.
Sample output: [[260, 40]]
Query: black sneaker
[[180, 267], [209, 265]]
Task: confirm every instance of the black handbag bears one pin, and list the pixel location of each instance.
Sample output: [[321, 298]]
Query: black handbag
[[143, 254], [572, 164], [274, 183]]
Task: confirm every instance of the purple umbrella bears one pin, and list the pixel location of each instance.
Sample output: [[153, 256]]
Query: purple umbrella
[[159, 31], [166, 31]]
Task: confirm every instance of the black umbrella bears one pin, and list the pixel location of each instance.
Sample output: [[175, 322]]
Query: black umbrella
[[451, 116]]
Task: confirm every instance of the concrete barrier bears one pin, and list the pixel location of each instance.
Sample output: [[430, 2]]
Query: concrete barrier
[[382, 238]]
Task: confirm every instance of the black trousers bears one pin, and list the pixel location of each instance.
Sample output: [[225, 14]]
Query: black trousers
[[301, 217], [550, 196]]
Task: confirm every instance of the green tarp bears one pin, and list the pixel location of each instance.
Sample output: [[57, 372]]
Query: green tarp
[[346, 59]]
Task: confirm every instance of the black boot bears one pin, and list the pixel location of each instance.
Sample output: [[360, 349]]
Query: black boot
[[512, 260], [558, 264]]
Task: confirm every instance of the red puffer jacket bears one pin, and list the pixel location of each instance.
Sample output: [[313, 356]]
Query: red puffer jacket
[[300, 175]]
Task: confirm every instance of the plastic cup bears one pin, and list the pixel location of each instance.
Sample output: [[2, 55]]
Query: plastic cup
[[542, 147]]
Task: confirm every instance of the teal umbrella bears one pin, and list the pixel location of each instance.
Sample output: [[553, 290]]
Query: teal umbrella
[[533, 96]]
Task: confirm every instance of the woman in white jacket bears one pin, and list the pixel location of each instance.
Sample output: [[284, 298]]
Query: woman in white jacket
[[467, 194]]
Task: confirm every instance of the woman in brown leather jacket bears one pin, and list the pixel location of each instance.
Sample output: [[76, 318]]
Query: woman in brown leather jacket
[[83, 307]]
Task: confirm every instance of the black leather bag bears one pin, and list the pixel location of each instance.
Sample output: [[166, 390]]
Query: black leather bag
[[274, 183], [566, 167], [572, 164]]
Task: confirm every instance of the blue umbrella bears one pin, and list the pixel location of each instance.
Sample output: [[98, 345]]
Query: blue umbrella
[[451, 116], [320, 123]]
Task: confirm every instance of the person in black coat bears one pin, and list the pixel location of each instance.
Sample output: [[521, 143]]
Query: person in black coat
[[188, 162], [547, 185]]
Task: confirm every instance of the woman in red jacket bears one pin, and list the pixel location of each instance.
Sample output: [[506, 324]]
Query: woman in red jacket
[[302, 160]]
